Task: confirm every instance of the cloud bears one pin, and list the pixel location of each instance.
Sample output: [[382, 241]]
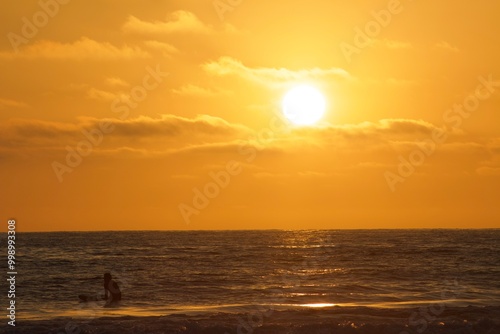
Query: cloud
[[116, 82], [404, 126], [196, 91], [367, 145], [387, 135], [494, 146], [446, 46], [11, 104], [166, 49], [17, 131], [82, 49], [491, 166], [102, 95], [178, 22], [201, 129], [470, 147], [488, 171], [387, 128], [227, 147], [94, 93], [171, 125], [226, 66]]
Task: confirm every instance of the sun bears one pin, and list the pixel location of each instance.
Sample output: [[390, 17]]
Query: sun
[[304, 105]]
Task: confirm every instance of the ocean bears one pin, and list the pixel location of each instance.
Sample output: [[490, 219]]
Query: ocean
[[352, 281]]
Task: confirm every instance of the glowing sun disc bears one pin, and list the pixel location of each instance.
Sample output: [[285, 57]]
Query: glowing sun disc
[[303, 105]]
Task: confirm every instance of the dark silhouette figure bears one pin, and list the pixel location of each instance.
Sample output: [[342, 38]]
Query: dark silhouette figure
[[113, 289]]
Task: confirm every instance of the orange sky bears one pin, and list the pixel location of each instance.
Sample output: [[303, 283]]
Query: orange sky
[[156, 99]]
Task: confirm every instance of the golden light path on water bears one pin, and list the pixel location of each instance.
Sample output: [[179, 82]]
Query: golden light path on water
[[318, 305]]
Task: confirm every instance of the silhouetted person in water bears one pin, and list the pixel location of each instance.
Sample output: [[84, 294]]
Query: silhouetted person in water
[[113, 289]]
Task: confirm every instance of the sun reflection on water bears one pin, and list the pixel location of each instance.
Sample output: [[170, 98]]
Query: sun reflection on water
[[318, 305]]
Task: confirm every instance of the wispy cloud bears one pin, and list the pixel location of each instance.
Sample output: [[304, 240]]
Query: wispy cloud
[[84, 48], [197, 91], [177, 22], [116, 82], [111, 92], [446, 46], [367, 145], [488, 171], [99, 94], [385, 128], [203, 128], [8, 103], [165, 48], [225, 66]]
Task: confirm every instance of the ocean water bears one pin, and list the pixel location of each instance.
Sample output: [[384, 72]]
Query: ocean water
[[232, 272]]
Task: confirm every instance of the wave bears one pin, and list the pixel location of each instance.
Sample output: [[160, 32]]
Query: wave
[[260, 319]]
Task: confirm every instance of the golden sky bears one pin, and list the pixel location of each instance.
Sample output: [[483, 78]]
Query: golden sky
[[156, 114]]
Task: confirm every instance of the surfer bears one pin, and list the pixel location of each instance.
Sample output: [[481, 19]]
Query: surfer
[[113, 289]]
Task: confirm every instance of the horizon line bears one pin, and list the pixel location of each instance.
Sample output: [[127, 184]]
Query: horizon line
[[270, 229]]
